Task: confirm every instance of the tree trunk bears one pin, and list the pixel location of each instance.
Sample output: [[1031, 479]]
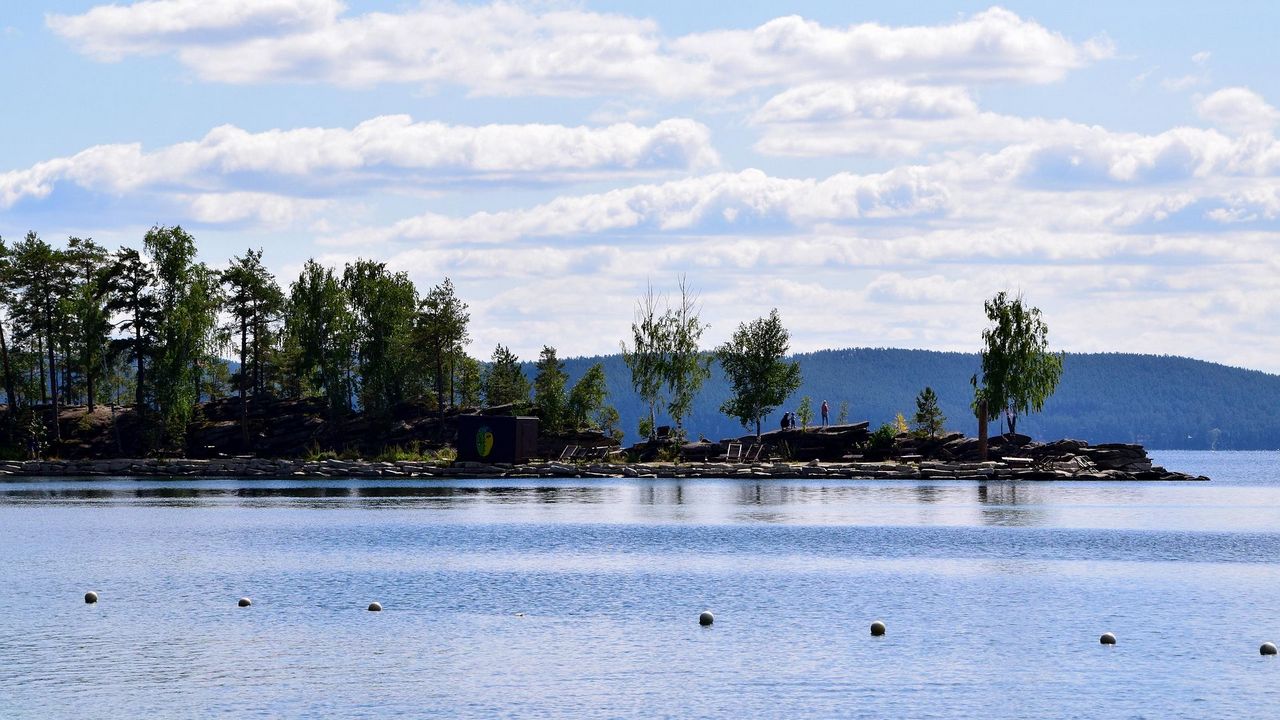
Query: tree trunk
[[244, 408], [44, 395], [982, 430], [9, 382], [139, 377], [440, 363], [53, 376], [757, 428], [89, 385]]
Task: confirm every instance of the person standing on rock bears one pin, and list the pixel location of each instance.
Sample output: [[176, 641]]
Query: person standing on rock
[[826, 413]]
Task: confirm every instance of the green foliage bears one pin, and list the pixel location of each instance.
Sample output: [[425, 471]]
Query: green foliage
[[548, 391], [882, 438], [804, 413], [760, 378], [587, 398], [929, 419], [254, 303], [645, 357], [504, 381], [665, 359], [470, 381], [320, 327], [396, 453], [1018, 371], [441, 331], [608, 420], [843, 416], [645, 427], [186, 296], [686, 367], [384, 306]]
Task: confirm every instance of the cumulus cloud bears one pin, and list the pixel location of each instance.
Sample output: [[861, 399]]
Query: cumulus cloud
[[745, 198], [1239, 110], [393, 148], [886, 119], [508, 49]]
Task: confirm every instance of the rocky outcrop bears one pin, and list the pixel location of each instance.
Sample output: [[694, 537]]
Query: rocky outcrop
[[267, 468]]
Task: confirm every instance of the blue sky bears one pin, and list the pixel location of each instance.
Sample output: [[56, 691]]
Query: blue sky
[[873, 170]]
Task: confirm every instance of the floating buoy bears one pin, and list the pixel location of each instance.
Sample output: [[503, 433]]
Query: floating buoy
[[375, 607], [245, 602], [91, 597], [1267, 649], [706, 618], [877, 629], [1107, 639]]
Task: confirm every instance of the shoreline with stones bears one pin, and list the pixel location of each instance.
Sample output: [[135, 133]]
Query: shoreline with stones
[[1008, 469]]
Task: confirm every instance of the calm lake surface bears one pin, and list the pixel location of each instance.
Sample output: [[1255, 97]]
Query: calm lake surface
[[580, 598]]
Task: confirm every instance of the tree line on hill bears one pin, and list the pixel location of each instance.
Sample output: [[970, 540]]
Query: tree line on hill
[[1162, 402]]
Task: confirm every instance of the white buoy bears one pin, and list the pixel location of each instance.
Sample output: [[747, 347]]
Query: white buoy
[[245, 602], [91, 597], [706, 618], [375, 607], [1107, 639], [1267, 649], [877, 628]]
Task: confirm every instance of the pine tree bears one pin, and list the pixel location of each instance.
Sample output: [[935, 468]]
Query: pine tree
[[441, 329], [548, 390], [929, 419], [504, 381]]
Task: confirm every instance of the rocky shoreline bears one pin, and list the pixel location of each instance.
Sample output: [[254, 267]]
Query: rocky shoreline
[[1009, 468]]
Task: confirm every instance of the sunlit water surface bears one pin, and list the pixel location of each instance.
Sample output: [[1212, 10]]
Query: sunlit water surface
[[580, 597]]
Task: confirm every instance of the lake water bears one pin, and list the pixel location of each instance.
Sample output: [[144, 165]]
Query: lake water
[[580, 598]]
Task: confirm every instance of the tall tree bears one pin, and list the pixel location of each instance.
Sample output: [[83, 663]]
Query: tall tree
[[647, 354], [131, 294], [42, 276], [504, 381], [1018, 371], [7, 300], [89, 306], [686, 366], [252, 301], [753, 361], [319, 322], [384, 305], [441, 330], [186, 295], [548, 390]]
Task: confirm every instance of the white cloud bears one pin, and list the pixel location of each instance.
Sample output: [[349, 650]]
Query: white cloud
[[508, 49], [887, 118], [721, 199], [1238, 109], [388, 148], [110, 32], [259, 208], [1201, 57]]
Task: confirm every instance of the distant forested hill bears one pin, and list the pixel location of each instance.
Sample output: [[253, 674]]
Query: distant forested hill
[[1163, 402]]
